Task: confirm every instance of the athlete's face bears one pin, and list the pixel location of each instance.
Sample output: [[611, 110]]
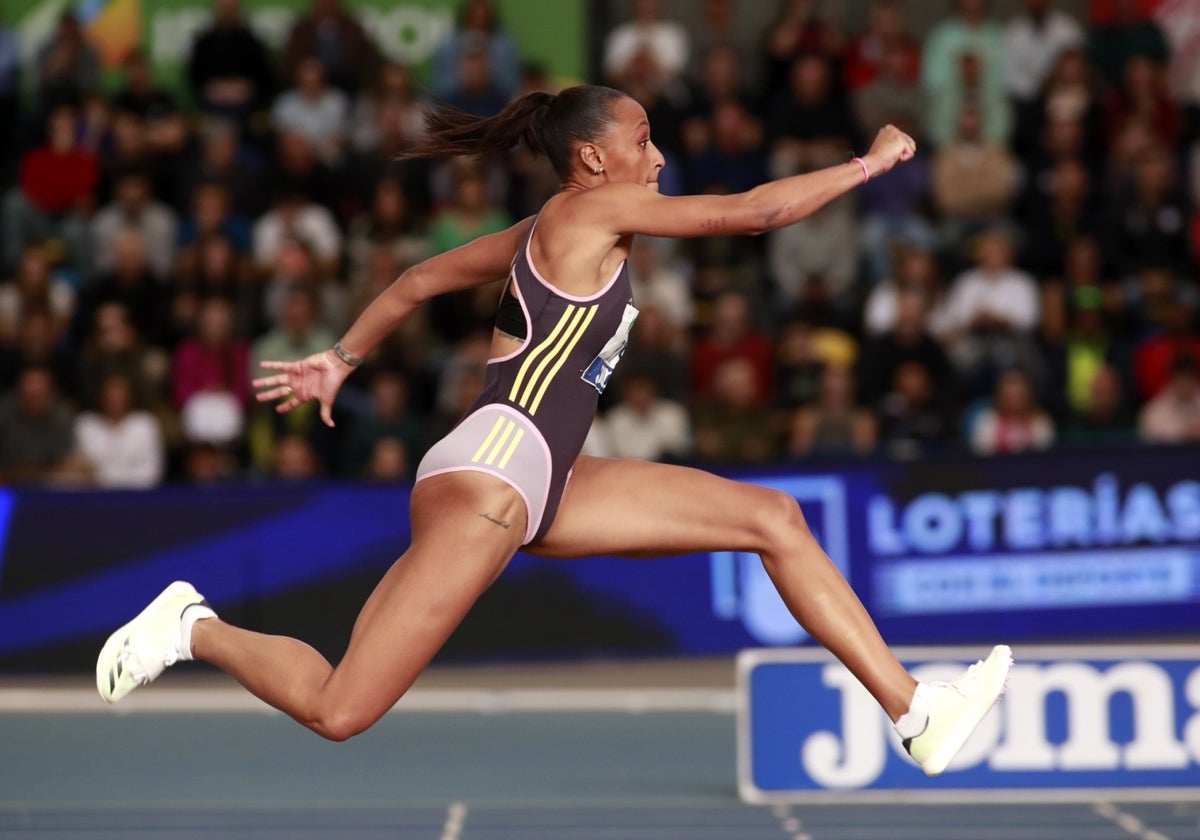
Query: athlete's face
[[627, 153]]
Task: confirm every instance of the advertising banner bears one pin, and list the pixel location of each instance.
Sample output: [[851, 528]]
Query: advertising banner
[[1053, 548], [548, 32], [1072, 722]]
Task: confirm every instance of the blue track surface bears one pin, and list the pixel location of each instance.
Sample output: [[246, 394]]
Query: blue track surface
[[556, 776]]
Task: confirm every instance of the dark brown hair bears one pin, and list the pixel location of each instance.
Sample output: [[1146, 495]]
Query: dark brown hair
[[549, 124]]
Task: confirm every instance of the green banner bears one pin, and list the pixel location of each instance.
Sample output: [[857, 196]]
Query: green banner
[[549, 32]]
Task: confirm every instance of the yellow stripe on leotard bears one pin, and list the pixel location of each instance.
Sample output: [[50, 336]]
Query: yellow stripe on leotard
[[488, 440], [512, 447], [537, 351], [562, 358], [508, 430], [554, 354]]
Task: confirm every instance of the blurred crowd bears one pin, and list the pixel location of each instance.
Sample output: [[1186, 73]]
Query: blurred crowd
[[1028, 281]]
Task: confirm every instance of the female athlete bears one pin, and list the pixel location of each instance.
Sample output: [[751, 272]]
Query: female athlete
[[510, 476]]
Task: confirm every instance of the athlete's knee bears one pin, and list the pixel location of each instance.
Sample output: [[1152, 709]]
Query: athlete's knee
[[779, 523], [339, 722]]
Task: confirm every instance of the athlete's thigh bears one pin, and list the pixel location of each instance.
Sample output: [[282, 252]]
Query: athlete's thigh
[[627, 508], [455, 555]]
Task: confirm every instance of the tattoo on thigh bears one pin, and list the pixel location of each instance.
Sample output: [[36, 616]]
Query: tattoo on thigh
[[503, 523]]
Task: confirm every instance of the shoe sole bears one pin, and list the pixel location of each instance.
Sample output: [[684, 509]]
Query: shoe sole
[[112, 647], [996, 669]]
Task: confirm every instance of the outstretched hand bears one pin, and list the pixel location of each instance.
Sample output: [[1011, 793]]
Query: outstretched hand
[[317, 377], [891, 146]]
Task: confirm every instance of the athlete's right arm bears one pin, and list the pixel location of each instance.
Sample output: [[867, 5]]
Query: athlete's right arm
[[320, 376], [624, 209], [477, 263]]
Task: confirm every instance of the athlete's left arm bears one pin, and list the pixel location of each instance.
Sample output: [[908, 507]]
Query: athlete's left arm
[[475, 264]]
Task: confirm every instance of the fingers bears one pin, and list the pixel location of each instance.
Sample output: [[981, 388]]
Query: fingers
[[277, 365], [270, 381], [285, 407], [275, 393], [327, 414]]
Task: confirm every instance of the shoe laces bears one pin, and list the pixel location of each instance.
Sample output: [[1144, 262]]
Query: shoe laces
[[132, 664], [959, 685]]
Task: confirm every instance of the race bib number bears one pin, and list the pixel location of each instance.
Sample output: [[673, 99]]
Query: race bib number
[[602, 367]]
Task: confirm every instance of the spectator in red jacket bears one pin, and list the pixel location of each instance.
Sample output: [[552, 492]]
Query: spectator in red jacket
[[732, 336], [56, 189]]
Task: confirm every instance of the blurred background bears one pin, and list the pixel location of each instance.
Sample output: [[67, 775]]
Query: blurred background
[[977, 374]]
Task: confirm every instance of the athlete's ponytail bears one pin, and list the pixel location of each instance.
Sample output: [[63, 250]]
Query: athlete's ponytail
[[545, 123]]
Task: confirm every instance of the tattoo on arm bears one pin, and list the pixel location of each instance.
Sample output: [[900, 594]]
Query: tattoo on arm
[[503, 523]]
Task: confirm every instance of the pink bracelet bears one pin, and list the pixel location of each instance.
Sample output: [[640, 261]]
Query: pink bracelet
[[863, 164]]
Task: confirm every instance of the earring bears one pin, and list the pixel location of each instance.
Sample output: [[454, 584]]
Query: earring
[[597, 170]]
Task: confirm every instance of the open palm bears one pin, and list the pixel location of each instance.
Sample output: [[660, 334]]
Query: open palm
[[317, 377]]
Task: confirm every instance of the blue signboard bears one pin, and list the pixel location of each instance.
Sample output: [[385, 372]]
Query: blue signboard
[[1054, 547], [1072, 721]]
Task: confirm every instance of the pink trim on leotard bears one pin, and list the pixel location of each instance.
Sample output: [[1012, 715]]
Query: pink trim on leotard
[[534, 432], [530, 526], [577, 298], [512, 278]]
